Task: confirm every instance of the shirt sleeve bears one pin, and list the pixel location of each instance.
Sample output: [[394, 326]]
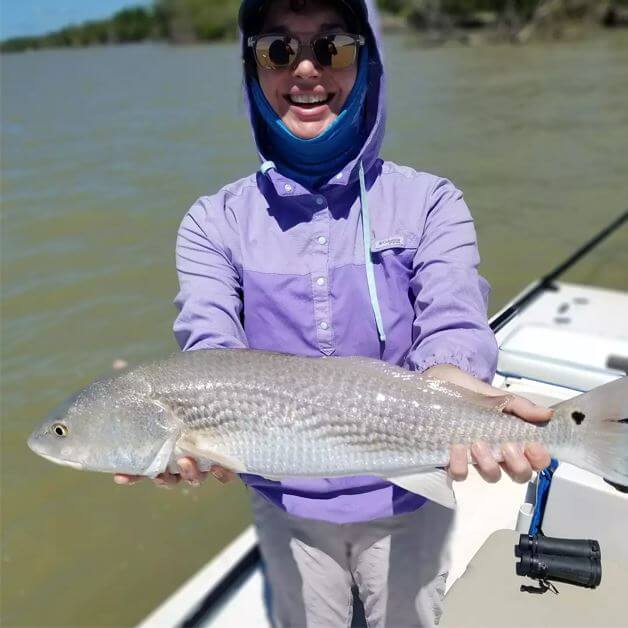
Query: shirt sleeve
[[450, 297], [210, 292]]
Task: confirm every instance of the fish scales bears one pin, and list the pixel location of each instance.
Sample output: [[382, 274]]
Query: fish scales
[[280, 414]]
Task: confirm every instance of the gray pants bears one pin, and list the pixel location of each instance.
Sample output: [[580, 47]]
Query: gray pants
[[398, 565]]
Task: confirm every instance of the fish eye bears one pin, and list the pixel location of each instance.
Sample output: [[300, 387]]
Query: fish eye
[[58, 429]]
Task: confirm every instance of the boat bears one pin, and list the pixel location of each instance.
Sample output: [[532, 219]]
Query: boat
[[556, 339]]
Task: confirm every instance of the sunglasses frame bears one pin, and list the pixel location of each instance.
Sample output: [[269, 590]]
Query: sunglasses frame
[[251, 42]]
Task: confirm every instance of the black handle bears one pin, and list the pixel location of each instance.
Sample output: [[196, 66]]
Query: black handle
[[586, 572], [539, 544], [617, 363]]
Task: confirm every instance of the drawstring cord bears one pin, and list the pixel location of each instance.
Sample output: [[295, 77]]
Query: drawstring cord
[[368, 261], [366, 236], [266, 166]]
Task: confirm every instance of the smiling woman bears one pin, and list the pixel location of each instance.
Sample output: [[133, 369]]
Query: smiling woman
[[326, 250], [308, 90], [307, 75]]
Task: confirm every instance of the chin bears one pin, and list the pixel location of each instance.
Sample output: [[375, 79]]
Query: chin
[[308, 130], [311, 130], [308, 134]]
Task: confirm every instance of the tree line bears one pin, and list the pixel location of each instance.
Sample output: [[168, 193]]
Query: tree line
[[187, 21]]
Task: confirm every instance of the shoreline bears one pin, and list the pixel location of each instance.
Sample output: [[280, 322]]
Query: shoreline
[[474, 29], [462, 38]]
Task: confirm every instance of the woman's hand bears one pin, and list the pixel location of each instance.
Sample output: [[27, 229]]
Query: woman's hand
[[190, 473], [518, 462]]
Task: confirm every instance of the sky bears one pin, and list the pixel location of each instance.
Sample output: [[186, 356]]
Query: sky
[[35, 17]]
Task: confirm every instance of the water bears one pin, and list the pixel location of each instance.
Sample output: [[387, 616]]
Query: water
[[103, 151]]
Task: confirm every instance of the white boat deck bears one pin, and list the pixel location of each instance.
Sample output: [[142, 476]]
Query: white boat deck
[[569, 339], [574, 337]]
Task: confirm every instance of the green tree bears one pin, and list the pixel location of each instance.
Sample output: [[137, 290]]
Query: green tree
[[193, 20], [133, 24]]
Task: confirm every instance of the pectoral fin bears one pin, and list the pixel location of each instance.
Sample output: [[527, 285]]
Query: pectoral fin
[[436, 485], [160, 461], [205, 452]]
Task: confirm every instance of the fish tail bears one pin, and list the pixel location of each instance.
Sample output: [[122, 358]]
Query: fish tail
[[600, 423]]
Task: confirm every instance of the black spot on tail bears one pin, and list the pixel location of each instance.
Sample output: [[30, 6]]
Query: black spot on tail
[[577, 416], [624, 421]]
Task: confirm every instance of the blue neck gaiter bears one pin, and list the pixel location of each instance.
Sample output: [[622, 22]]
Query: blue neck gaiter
[[314, 161]]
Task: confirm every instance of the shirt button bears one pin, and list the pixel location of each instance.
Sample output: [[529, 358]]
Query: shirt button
[[320, 200], [324, 325], [339, 175], [287, 187], [321, 281], [322, 240]]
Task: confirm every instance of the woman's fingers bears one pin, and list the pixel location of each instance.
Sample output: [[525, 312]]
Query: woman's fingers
[[486, 465], [126, 480], [190, 471], [458, 462], [222, 475], [519, 462], [167, 479], [537, 456], [163, 480], [526, 409], [515, 462]]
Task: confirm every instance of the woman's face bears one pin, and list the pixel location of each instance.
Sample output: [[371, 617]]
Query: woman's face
[[284, 88]]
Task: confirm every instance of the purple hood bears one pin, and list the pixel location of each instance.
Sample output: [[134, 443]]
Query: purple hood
[[375, 101]]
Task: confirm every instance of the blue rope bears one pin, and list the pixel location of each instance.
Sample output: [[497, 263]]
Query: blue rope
[[370, 274], [542, 490]]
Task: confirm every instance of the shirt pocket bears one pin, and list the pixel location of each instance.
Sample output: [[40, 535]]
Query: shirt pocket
[[395, 249]]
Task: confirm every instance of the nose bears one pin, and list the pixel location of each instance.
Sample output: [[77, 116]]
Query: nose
[[306, 67]]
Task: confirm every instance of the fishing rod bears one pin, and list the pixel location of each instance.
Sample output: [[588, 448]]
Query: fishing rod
[[545, 283]]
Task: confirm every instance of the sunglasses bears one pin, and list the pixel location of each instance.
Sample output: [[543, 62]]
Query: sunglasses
[[331, 50]]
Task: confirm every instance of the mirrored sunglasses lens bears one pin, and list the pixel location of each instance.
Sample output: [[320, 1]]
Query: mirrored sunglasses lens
[[275, 52], [337, 51]]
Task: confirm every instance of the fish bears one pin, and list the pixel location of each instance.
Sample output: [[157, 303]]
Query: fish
[[279, 416]]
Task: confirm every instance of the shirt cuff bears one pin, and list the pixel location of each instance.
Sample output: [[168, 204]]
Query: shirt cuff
[[460, 360]]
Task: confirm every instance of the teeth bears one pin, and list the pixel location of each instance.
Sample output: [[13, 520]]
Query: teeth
[[307, 99]]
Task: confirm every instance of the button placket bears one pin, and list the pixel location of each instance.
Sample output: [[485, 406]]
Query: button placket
[[320, 284]]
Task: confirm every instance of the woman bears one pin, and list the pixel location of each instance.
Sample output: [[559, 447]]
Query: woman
[[328, 250]]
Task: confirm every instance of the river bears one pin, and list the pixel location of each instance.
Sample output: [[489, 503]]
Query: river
[[103, 151]]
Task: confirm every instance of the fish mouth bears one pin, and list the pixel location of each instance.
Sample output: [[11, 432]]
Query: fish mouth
[[35, 446], [63, 463]]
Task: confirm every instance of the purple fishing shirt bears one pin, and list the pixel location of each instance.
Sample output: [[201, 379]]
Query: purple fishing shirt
[[267, 264]]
